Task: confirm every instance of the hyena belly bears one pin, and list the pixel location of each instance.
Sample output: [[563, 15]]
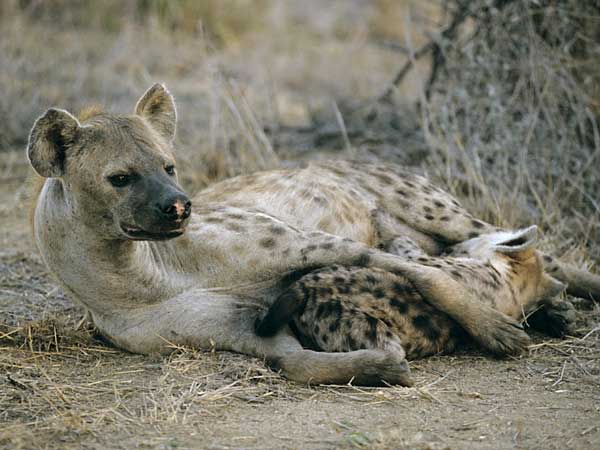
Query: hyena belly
[[345, 309]]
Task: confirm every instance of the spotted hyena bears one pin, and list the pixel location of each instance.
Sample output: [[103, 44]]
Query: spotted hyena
[[340, 309], [155, 267]]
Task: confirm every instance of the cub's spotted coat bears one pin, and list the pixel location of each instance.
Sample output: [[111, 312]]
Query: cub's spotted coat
[[345, 309]]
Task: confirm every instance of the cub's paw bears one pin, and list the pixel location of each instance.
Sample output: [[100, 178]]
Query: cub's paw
[[555, 318]]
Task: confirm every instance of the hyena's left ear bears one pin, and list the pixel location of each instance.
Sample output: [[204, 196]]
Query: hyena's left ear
[[157, 106], [519, 244]]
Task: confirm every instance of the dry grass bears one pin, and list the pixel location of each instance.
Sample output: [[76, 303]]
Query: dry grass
[[510, 129], [514, 122]]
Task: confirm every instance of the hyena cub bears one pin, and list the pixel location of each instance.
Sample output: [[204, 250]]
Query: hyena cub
[[340, 309]]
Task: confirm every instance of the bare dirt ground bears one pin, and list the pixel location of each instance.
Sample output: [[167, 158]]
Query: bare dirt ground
[[273, 90]]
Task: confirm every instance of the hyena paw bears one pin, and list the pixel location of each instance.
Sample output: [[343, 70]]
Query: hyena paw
[[501, 335], [555, 318], [388, 367]]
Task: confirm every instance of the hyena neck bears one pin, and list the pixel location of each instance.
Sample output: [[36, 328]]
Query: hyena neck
[[102, 274]]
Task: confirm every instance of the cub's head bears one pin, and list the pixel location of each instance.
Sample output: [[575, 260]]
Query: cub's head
[[117, 172], [514, 257]]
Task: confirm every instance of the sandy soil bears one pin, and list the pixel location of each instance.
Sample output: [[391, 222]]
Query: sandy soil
[[63, 388]]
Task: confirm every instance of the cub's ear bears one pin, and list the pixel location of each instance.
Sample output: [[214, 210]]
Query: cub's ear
[[157, 106], [518, 244], [49, 141]]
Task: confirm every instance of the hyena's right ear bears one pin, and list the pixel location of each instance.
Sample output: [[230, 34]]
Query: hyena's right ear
[[50, 138]]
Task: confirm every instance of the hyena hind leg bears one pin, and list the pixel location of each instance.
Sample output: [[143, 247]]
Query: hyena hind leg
[[580, 283]]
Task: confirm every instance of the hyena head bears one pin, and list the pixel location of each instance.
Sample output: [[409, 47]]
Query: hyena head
[[515, 268], [116, 172]]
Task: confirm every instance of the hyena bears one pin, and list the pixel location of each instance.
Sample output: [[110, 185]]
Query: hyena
[[120, 235], [340, 309]]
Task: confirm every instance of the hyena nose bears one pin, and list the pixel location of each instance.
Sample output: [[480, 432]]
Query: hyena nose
[[177, 209]]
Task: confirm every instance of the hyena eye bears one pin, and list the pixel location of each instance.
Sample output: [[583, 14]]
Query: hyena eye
[[120, 180], [170, 170]]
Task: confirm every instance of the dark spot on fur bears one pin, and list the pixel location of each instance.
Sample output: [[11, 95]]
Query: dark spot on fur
[[320, 310], [234, 227], [402, 193], [429, 217], [378, 293], [370, 279], [424, 324], [456, 273], [310, 248], [371, 333], [214, 219], [445, 218], [363, 260], [473, 234], [326, 246], [477, 223], [438, 204], [276, 229], [333, 326], [325, 291], [344, 288], [267, 243], [352, 343], [384, 178], [427, 209], [401, 306], [547, 258]]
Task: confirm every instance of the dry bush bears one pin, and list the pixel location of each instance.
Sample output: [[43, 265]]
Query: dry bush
[[513, 117]]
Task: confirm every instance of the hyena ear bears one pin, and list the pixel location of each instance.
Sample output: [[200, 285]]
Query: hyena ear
[[157, 106], [519, 244], [49, 141]]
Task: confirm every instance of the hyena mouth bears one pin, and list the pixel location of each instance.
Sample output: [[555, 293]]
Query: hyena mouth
[[138, 234]]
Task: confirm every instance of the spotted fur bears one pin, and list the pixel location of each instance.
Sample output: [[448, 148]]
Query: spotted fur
[[346, 309]]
